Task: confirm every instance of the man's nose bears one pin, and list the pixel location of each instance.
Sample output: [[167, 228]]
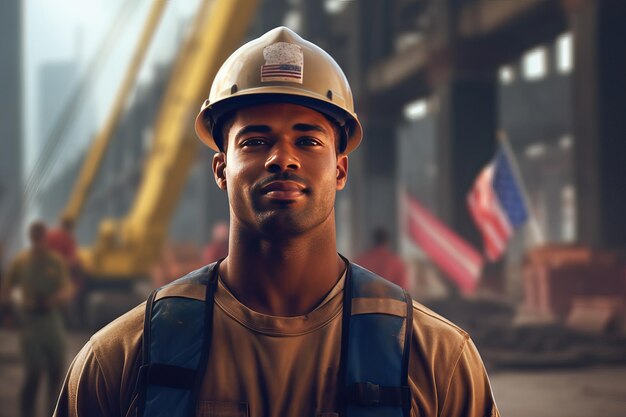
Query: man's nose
[[282, 158]]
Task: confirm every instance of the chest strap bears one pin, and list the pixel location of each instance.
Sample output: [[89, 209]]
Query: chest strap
[[367, 394], [170, 376], [376, 335]]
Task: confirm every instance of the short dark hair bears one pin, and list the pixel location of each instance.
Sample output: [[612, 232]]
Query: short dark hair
[[67, 223], [222, 127], [37, 231]]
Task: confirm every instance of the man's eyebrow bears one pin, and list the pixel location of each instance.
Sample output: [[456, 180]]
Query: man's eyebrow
[[305, 127], [253, 129]]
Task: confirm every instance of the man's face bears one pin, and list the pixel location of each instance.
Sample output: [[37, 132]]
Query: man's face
[[281, 169], [37, 236]]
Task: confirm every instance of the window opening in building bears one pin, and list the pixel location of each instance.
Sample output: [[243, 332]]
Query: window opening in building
[[293, 20], [416, 110], [534, 64], [506, 75], [565, 53], [535, 151], [566, 142], [335, 6]]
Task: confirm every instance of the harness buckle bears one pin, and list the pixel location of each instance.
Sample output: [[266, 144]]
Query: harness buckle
[[366, 393]]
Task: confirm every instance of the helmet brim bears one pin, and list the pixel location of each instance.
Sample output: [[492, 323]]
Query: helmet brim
[[208, 121]]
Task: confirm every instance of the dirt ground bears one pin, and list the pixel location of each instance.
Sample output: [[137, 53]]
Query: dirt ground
[[582, 392]]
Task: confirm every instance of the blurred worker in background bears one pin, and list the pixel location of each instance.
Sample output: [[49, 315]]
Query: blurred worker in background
[[217, 248], [62, 241], [284, 326], [381, 260], [42, 279]]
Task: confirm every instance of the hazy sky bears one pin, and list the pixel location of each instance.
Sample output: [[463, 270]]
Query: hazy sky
[[73, 30]]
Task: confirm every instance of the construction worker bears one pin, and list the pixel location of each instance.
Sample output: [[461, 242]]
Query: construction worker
[[284, 325], [42, 279], [62, 241], [381, 260]]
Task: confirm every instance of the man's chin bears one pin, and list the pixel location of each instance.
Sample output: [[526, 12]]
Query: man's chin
[[283, 222]]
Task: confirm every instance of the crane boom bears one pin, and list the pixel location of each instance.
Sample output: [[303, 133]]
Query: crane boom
[[97, 150], [127, 248]]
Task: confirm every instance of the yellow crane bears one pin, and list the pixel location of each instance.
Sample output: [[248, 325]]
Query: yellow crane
[[126, 248]]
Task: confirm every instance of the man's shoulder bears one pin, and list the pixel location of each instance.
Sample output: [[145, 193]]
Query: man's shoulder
[[120, 339], [431, 329], [104, 373], [125, 332], [21, 258], [199, 276]]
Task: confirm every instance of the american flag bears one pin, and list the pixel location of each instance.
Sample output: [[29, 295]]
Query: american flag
[[497, 205], [281, 72], [454, 256]]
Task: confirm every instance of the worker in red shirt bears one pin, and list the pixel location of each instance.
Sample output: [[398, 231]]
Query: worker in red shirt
[[61, 240], [383, 261]]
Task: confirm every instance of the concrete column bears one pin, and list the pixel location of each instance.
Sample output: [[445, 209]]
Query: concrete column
[[599, 122], [11, 134], [315, 23], [466, 125], [465, 103], [380, 179], [270, 13], [366, 37]]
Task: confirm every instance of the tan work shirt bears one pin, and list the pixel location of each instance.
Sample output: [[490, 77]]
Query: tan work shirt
[[269, 366], [39, 278]]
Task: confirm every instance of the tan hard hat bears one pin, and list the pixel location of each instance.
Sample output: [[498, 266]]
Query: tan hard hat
[[280, 66]]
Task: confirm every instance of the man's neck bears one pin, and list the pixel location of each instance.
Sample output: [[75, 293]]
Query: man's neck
[[282, 276], [38, 251]]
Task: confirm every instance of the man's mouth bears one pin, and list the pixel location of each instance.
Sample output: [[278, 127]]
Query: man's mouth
[[283, 190]]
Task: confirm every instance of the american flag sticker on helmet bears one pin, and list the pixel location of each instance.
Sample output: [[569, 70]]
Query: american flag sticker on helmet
[[283, 62]]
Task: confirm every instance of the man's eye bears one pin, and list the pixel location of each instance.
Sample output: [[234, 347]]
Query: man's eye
[[253, 142], [308, 141]]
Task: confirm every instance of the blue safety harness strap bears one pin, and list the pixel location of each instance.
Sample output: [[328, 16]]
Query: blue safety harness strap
[[375, 348], [176, 344]]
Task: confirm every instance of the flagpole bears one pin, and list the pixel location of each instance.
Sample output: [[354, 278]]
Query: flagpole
[[534, 222], [400, 220]]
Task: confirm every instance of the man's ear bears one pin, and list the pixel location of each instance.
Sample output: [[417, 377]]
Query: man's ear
[[342, 171], [219, 169]]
